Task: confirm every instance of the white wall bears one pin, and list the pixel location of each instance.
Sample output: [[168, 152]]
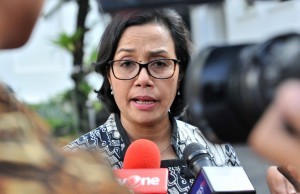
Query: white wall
[[266, 19], [234, 22], [208, 25]]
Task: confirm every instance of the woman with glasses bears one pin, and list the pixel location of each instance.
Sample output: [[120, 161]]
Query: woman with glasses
[[143, 57]]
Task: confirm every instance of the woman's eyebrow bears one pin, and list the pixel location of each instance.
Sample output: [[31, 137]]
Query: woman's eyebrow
[[156, 52], [151, 53], [128, 50]]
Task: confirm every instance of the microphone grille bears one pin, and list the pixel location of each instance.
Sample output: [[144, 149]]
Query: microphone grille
[[191, 149], [142, 153]]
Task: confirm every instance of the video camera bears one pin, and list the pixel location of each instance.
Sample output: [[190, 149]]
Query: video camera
[[229, 87]]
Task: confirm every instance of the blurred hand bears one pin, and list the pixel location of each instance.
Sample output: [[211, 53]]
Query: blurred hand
[[270, 137], [277, 183], [272, 140]]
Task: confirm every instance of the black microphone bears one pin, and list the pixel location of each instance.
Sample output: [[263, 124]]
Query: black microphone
[[210, 179], [196, 156]]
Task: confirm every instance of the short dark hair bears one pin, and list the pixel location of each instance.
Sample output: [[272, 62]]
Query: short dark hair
[[112, 34]]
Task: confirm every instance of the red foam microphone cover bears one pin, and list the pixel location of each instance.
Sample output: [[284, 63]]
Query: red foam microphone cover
[[142, 153]]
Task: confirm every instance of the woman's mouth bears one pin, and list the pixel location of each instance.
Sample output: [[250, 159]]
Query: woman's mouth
[[144, 103]]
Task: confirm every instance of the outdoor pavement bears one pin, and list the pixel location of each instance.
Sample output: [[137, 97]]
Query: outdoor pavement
[[254, 166]]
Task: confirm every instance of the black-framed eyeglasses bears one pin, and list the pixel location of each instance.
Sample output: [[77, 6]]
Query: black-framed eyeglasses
[[159, 69]]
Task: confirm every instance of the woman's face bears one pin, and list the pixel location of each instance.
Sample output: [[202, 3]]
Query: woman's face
[[144, 99]]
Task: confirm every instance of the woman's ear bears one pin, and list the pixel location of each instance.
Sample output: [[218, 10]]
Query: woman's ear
[[180, 77], [108, 75]]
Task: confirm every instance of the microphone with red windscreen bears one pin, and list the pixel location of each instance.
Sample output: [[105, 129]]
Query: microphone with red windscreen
[[141, 169], [142, 153]]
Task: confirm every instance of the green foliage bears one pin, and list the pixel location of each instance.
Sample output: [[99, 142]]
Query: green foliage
[[85, 88], [59, 110], [68, 42], [97, 106], [58, 113], [92, 57], [75, 45]]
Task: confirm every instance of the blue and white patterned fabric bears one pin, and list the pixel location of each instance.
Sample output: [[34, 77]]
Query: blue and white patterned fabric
[[111, 139]]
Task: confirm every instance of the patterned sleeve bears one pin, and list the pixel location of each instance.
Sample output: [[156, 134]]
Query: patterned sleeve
[[231, 158], [75, 145], [84, 142]]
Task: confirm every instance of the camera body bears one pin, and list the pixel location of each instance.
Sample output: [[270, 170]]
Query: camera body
[[229, 87]]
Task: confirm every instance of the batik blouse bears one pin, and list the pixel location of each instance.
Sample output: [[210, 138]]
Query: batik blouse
[[111, 140]]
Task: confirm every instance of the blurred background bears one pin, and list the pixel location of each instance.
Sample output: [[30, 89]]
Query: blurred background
[[53, 74]]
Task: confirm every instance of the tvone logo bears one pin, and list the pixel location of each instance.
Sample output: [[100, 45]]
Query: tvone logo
[[135, 181]]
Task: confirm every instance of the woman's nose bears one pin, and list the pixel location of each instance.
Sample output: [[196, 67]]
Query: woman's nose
[[143, 77]]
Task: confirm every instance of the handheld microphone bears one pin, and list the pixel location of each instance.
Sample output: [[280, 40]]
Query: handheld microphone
[[141, 169], [196, 156], [210, 179]]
